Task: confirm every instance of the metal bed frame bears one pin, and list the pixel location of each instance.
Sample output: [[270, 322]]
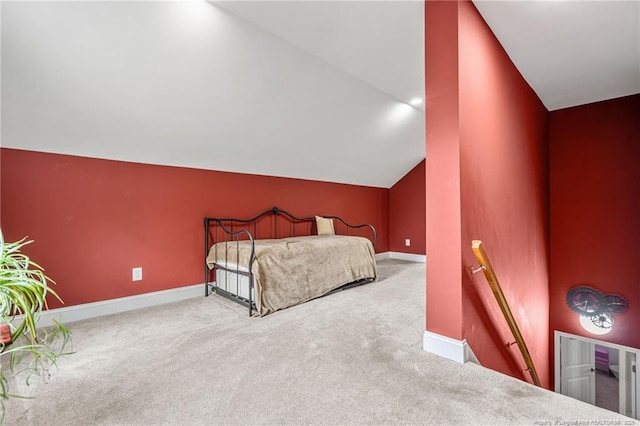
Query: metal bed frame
[[242, 233]]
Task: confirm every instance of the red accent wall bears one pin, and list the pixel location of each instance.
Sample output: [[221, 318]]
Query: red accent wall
[[444, 260], [595, 210], [504, 155], [93, 220], [494, 155], [407, 212]]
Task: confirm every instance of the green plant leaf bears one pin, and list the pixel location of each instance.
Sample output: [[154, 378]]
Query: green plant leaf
[[24, 288]]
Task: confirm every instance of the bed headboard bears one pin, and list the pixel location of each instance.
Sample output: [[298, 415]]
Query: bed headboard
[[278, 223]]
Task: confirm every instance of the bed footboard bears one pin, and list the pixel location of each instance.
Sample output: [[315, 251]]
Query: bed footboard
[[229, 237]]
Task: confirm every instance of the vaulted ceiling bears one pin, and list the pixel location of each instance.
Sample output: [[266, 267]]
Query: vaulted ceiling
[[306, 89], [380, 43], [192, 84], [570, 52]]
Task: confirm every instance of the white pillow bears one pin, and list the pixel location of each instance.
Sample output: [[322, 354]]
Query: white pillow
[[325, 226]]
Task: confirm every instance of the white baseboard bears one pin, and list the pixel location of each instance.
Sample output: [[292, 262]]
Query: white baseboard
[[122, 304], [383, 255], [471, 356], [447, 347], [420, 258]]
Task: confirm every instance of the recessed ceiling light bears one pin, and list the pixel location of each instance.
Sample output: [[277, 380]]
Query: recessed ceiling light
[[416, 101]]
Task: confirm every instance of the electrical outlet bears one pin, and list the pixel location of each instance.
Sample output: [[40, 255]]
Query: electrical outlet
[[407, 242], [136, 274]]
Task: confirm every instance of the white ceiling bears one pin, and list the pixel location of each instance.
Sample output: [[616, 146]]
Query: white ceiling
[[570, 52], [380, 43], [190, 84], [306, 89]]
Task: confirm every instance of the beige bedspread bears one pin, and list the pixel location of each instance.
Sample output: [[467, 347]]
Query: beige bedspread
[[290, 271]]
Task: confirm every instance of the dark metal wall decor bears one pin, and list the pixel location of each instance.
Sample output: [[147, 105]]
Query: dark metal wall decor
[[600, 308]]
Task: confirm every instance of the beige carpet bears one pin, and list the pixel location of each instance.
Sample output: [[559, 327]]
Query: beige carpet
[[354, 357]]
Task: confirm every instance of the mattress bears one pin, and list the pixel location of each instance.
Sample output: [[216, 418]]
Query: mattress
[[231, 282]]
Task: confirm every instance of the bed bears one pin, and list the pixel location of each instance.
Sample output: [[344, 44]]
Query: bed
[[276, 260]]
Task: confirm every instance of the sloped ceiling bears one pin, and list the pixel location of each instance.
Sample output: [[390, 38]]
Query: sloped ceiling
[[191, 84], [570, 52], [379, 43], [306, 89]]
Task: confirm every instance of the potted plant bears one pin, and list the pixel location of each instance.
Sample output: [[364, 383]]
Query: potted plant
[[23, 295]]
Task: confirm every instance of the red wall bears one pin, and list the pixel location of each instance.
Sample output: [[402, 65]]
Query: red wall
[[595, 210], [501, 146], [504, 142], [93, 220], [444, 275], [407, 212]]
